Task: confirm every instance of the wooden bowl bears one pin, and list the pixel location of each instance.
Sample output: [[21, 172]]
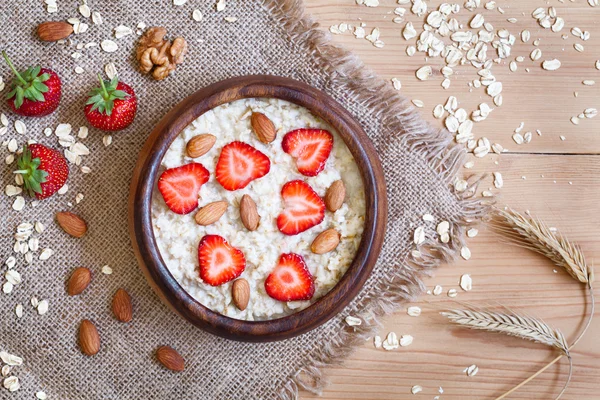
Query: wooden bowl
[[145, 176]]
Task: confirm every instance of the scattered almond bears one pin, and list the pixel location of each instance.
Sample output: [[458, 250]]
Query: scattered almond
[[248, 213], [325, 242], [170, 358], [52, 31], [335, 195], [89, 339], [210, 213], [71, 223], [263, 127], [200, 145], [121, 306], [240, 292], [80, 279]]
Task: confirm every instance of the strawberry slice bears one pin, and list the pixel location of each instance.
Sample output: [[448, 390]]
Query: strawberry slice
[[310, 148], [180, 186], [290, 280], [219, 261], [303, 208], [239, 164]]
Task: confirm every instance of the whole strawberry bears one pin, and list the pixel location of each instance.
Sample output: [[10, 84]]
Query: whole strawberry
[[44, 170], [35, 92], [112, 106]]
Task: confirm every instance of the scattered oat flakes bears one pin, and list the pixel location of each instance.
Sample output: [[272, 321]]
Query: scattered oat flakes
[[106, 270], [472, 232], [413, 311], [353, 321], [551, 65], [406, 340], [377, 342], [109, 46], [466, 283], [42, 307], [465, 252], [416, 389], [391, 342], [472, 370], [197, 15], [419, 235], [396, 83], [452, 293], [437, 290]]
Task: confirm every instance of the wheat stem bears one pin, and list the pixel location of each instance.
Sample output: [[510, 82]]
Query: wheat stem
[[551, 363]]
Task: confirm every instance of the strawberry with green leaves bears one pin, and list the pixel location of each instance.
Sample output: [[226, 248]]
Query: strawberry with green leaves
[[112, 106], [44, 170], [35, 92]]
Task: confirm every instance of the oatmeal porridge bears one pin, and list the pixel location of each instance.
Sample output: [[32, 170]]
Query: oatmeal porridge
[[287, 178]]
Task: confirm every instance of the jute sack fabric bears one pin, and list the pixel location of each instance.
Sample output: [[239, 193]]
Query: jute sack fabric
[[271, 38]]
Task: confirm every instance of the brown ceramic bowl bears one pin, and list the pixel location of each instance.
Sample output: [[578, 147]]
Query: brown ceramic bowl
[[145, 176]]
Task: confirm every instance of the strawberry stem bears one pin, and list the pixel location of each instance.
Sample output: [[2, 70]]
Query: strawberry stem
[[104, 92], [12, 67]]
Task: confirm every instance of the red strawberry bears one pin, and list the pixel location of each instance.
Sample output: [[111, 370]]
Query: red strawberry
[[290, 280], [310, 148], [44, 170], [180, 186], [219, 261], [239, 164], [35, 92], [303, 208], [112, 106]]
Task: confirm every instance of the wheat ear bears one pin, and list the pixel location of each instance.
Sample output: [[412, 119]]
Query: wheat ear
[[521, 326], [535, 235]]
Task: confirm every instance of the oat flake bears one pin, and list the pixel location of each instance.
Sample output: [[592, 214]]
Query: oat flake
[[466, 283], [109, 46]]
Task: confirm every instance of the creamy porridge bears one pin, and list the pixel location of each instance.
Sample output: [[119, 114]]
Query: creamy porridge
[[178, 236]]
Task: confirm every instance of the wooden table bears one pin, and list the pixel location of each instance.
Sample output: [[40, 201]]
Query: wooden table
[[557, 180]]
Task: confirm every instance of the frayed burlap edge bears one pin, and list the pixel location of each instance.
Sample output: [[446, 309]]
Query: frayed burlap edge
[[435, 146]]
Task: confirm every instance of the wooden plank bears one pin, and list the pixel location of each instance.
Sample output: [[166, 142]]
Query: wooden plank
[[542, 99], [562, 189], [502, 274]]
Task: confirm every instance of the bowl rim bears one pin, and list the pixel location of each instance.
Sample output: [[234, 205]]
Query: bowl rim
[[145, 176]]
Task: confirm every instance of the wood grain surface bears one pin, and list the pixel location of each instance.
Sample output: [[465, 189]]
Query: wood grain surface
[[148, 168], [561, 185]]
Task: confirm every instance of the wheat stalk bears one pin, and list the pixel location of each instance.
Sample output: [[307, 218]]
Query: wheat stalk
[[521, 326], [535, 235]]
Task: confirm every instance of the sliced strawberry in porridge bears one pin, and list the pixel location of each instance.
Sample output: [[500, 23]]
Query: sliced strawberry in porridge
[[219, 261], [239, 164], [180, 186], [303, 208], [290, 280], [310, 148]]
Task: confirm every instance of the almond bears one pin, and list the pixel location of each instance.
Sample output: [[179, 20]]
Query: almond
[[89, 339], [170, 358], [335, 195], [200, 145], [121, 306], [248, 213], [54, 30], [80, 279], [263, 127], [240, 292], [325, 242], [210, 213], [71, 223]]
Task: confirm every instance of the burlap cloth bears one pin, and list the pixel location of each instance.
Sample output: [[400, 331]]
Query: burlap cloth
[[272, 38]]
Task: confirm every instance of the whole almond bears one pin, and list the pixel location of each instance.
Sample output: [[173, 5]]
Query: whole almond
[[170, 358], [79, 281], [263, 127], [200, 145], [71, 223], [248, 213], [89, 339], [121, 306], [335, 195], [325, 242], [54, 30], [240, 292], [210, 213]]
